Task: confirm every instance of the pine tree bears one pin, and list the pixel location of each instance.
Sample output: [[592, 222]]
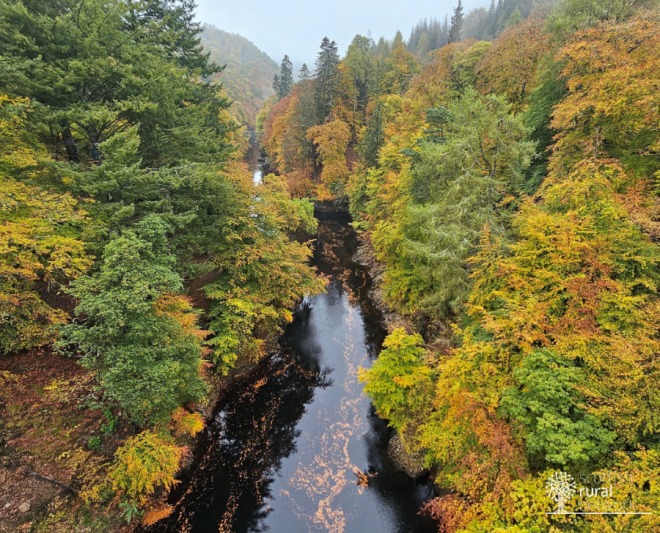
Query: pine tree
[[277, 85], [514, 19], [327, 78], [373, 137], [423, 47], [304, 73], [491, 26], [398, 40], [360, 71], [499, 11], [456, 23], [306, 116], [136, 333], [444, 39], [285, 78], [457, 185]]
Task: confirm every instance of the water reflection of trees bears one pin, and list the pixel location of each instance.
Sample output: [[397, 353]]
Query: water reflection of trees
[[256, 427], [336, 244], [254, 431]]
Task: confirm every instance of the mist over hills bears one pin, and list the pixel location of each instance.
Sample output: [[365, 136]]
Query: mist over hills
[[248, 75]]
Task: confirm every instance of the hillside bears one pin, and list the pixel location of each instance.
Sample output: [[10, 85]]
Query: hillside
[[248, 75]]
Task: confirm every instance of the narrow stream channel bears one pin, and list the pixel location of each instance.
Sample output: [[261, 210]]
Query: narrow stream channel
[[282, 452]]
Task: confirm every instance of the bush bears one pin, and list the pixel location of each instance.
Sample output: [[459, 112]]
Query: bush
[[185, 423], [145, 462], [398, 380]]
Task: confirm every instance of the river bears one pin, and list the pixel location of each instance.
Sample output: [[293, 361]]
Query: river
[[254, 159], [283, 450]]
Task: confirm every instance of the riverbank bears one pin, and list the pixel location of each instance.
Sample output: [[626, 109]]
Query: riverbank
[[294, 445]]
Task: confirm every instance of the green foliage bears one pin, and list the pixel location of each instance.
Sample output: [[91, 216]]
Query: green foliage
[[457, 185], [537, 119], [456, 28], [398, 381], [114, 62], [113, 106], [129, 510], [546, 401], [373, 136], [111, 425], [262, 273], [327, 78], [570, 16], [284, 82], [147, 361], [554, 358]]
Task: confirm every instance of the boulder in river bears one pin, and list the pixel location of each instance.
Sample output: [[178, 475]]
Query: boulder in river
[[410, 463]]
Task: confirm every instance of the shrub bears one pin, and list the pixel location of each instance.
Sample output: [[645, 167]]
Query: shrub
[[145, 462], [185, 423]]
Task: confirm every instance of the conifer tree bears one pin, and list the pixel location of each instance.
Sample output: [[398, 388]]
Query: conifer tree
[[285, 79], [277, 85], [491, 27], [499, 11], [445, 32], [327, 78], [457, 185], [373, 136], [398, 40], [136, 332], [456, 23], [423, 47], [306, 115], [304, 73]]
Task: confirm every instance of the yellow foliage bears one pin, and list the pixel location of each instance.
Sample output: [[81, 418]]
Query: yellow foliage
[[332, 140], [145, 462], [186, 423], [509, 66], [37, 239]]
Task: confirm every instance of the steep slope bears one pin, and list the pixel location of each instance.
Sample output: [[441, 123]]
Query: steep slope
[[248, 75]]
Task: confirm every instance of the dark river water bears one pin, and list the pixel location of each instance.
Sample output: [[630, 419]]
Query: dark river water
[[288, 438]]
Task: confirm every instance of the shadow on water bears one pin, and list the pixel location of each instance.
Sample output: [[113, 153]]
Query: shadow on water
[[282, 452]]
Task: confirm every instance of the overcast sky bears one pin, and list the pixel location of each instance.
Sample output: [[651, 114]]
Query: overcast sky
[[296, 27]]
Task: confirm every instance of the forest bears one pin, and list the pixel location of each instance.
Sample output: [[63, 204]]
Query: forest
[[247, 74], [135, 265], [501, 165]]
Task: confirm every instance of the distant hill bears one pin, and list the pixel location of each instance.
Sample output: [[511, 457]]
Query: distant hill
[[249, 74]]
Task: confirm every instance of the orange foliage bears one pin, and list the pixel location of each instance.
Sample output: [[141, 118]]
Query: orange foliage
[[180, 309], [432, 87], [186, 423], [157, 513], [332, 140], [509, 66], [300, 183], [275, 128], [451, 511], [613, 73]]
